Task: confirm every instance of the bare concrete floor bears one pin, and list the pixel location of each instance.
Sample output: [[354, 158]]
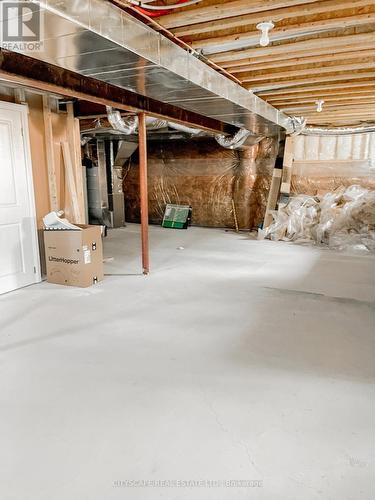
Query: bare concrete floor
[[234, 360]]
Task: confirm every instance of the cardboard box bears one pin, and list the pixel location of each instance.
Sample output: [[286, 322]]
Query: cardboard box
[[74, 257]]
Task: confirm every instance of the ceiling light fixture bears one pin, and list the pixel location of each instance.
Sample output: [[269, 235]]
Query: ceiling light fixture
[[265, 27], [319, 105]]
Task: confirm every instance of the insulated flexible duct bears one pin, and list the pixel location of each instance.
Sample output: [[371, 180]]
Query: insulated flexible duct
[[296, 125], [129, 125], [240, 140], [338, 131]]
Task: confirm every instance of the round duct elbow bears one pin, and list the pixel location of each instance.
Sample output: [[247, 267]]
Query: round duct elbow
[[296, 125], [127, 125], [240, 140]]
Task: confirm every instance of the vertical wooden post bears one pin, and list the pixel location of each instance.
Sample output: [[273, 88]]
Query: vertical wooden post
[[48, 139], [142, 138], [73, 134], [287, 165]]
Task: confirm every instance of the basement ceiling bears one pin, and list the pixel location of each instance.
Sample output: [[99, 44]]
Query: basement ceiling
[[319, 50], [98, 39]]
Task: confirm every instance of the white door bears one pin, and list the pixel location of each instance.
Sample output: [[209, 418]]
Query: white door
[[19, 257]]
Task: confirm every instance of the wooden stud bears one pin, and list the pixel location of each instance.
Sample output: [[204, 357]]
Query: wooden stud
[[70, 182], [287, 166], [272, 196], [75, 151], [50, 157]]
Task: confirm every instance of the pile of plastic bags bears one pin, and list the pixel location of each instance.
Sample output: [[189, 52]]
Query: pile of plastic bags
[[343, 219]]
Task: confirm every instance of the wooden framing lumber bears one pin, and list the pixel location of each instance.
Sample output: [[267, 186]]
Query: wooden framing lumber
[[220, 10], [287, 166], [283, 82], [332, 96], [273, 196], [304, 47], [293, 30], [303, 61], [302, 108], [315, 70], [307, 89], [71, 182], [75, 152], [274, 14], [50, 157]]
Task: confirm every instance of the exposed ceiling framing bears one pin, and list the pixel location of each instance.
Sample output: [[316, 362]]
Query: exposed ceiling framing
[[320, 49]]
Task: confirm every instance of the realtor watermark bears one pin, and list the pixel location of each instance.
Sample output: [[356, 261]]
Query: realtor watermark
[[21, 26], [188, 483]]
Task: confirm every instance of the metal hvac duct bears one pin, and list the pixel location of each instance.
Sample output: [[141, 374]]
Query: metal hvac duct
[[97, 39]]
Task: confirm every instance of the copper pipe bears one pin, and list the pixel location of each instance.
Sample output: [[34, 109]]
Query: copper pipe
[[123, 4], [142, 139]]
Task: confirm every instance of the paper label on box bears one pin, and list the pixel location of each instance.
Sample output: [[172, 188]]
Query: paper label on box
[[87, 256]]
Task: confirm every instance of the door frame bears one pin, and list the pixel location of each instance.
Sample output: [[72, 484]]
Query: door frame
[[24, 112]]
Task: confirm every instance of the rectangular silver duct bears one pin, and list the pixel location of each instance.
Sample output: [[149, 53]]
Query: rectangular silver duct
[[97, 39]]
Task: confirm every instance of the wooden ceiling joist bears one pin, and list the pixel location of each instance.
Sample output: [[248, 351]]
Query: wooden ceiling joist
[[343, 99], [303, 61], [315, 70], [216, 9], [289, 54], [329, 105], [293, 30], [304, 47], [367, 84], [276, 15], [285, 82]]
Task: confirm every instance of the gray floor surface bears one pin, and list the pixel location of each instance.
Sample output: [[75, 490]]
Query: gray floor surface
[[235, 360]]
